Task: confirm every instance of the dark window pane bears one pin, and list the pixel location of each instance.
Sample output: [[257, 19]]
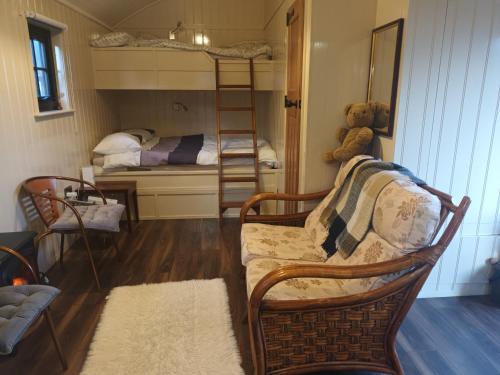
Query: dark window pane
[[44, 68], [40, 58], [43, 84]]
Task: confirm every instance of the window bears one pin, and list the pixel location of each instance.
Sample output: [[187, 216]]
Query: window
[[44, 69]]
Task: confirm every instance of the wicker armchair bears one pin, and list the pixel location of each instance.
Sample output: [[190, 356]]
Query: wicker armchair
[[354, 332]]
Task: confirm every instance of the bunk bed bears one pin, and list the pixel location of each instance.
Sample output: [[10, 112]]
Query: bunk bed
[[142, 68], [189, 191]]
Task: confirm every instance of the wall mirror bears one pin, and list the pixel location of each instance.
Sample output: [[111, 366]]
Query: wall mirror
[[384, 71]]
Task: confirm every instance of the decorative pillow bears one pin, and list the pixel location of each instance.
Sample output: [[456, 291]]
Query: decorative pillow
[[373, 249], [117, 143], [144, 135], [406, 215], [114, 39]]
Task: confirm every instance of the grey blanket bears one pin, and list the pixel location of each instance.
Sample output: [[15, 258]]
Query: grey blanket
[[173, 150]]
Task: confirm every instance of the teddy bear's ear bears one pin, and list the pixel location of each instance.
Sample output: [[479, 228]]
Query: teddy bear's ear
[[347, 109]]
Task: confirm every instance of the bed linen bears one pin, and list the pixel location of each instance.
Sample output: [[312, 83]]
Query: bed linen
[[246, 49], [187, 150]]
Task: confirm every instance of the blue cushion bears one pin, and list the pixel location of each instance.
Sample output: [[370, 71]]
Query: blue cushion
[[20, 306]]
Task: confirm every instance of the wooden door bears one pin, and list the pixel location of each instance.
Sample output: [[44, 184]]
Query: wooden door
[[295, 24]]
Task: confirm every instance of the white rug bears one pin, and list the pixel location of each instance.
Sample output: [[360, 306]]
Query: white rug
[[170, 328]]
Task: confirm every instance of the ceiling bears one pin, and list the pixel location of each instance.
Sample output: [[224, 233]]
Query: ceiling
[[110, 12]]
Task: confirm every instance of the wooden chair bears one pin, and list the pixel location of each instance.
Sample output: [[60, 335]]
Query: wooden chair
[[23, 305], [42, 191], [355, 332]]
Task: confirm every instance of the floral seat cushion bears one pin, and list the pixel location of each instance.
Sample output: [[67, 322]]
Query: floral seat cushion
[[293, 289], [275, 241], [373, 249]]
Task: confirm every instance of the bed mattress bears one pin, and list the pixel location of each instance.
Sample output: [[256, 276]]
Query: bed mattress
[[196, 149]]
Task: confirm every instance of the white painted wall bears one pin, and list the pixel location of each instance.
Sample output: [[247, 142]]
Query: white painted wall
[[388, 11], [449, 132], [339, 53], [56, 146]]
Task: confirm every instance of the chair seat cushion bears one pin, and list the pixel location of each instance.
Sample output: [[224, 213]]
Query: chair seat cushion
[[20, 306], [99, 217], [293, 289], [275, 241], [373, 249]]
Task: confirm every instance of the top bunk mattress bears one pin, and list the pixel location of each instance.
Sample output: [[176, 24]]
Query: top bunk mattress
[[246, 49], [198, 149]]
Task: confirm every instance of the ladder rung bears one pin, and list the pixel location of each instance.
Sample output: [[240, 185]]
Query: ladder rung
[[234, 109], [228, 131], [231, 204], [234, 155], [238, 179], [235, 86]]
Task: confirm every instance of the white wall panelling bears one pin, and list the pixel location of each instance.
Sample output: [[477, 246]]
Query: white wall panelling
[[58, 145], [449, 131]]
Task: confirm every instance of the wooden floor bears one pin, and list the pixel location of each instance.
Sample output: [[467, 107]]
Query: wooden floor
[[440, 336]]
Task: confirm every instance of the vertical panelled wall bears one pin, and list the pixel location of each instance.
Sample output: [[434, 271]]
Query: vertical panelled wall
[[53, 146], [448, 127]]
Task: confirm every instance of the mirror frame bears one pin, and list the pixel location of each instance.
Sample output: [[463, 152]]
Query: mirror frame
[[399, 23]]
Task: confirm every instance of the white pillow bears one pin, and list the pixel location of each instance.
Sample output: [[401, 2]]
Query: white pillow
[[117, 143], [143, 134], [125, 159]]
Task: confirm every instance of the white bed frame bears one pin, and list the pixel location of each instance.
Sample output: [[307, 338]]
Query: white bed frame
[[185, 192], [139, 68]]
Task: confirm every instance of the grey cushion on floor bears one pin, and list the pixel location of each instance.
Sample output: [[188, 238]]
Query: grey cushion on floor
[[100, 217], [20, 306]]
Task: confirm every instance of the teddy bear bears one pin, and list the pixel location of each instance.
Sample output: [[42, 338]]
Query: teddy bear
[[357, 137], [382, 112]]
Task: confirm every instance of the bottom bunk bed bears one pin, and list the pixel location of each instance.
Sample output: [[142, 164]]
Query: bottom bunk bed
[[189, 191]]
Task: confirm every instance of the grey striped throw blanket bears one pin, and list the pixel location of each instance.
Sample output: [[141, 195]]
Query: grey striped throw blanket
[[348, 215]]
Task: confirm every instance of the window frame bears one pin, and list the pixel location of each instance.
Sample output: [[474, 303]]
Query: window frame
[[44, 35]]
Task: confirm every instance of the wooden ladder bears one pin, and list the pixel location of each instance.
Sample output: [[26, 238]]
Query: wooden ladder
[[223, 180]]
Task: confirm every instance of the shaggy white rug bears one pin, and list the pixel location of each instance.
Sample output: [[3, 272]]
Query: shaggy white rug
[[170, 328]]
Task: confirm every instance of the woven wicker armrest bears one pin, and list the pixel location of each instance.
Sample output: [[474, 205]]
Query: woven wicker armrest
[[252, 201]]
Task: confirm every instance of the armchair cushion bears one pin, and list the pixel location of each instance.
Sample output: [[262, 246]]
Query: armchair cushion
[[406, 215], [20, 306], [293, 289], [99, 217], [275, 241], [373, 249]]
